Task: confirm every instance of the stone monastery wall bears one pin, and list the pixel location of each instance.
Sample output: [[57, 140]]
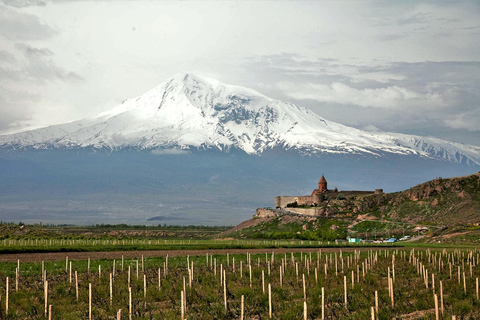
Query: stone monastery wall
[[318, 196]]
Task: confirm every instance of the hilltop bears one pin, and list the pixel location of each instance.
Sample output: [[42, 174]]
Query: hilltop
[[443, 206]]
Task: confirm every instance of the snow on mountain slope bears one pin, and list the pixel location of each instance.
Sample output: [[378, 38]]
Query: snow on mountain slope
[[189, 111]]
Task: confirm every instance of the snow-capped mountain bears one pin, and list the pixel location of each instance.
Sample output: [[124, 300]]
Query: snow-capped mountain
[[189, 111]]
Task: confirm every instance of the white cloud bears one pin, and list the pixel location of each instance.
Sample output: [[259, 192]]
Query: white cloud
[[387, 97], [17, 25], [468, 121], [371, 128]]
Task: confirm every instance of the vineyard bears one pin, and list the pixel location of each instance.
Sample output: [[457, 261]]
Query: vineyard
[[350, 283], [95, 245]]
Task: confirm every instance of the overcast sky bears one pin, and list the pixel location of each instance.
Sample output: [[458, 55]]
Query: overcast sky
[[399, 66]]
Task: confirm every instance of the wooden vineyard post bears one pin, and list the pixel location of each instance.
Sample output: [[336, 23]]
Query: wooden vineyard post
[[269, 301], [70, 272], [111, 289], [46, 296], [250, 271], [304, 310], [353, 279], [137, 270], [304, 289], [90, 301], [437, 316], [391, 291], [323, 303], [99, 273], [376, 302], [119, 314], [296, 270], [336, 265], [393, 268], [441, 297], [190, 276], [345, 289], [476, 286], [184, 295], [145, 289], [6, 297], [16, 279], [221, 274], [130, 306], [50, 315], [464, 284], [263, 281], [280, 273], [182, 312], [225, 290], [242, 307], [88, 266], [76, 284]]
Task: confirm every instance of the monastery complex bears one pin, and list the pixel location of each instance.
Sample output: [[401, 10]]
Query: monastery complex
[[311, 205]]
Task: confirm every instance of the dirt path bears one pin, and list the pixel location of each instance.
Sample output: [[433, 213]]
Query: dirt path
[[56, 256], [415, 238]]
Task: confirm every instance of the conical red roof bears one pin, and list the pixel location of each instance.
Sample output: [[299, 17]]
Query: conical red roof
[[322, 180]]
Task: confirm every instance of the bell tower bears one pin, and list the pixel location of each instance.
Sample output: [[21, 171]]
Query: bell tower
[[322, 184]]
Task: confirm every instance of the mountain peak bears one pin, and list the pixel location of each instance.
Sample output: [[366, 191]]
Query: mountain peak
[[193, 111]]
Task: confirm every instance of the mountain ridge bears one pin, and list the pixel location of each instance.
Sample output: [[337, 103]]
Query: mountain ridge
[[190, 112]]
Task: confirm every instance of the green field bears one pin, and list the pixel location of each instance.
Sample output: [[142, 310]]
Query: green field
[[214, 283], [411, 272]]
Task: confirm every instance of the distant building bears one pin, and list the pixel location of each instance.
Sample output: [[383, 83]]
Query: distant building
[[317, 197]]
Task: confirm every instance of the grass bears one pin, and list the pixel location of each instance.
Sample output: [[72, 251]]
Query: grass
[[304, 229], [120, 231]]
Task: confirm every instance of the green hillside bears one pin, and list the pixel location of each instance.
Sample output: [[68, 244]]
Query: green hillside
[[442, 207]]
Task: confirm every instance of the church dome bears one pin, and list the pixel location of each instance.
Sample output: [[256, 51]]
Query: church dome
[[322, 184]]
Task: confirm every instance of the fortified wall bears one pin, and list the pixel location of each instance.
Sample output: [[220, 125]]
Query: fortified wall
[[313, 205]]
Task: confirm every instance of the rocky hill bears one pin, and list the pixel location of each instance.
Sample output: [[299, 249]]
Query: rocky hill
[[444, 206], [439, 201]]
